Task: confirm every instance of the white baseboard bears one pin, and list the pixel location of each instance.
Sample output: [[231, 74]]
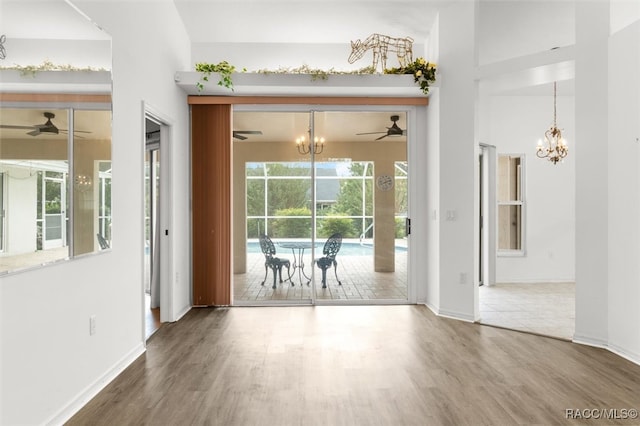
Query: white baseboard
[[534, 281], [449, 314], [455, 315], [92, 390], [183, 313], [626, 354], [433, 308], [590, 341], [618, 350]]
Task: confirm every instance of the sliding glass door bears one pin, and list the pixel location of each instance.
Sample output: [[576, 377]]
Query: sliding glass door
[[320, 207]]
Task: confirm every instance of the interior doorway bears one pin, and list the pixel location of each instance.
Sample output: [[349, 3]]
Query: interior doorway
[[152, 187]]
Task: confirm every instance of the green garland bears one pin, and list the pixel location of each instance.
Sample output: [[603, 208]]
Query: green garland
[[317, 73], [424, 73], [46, 65], [223, 68]]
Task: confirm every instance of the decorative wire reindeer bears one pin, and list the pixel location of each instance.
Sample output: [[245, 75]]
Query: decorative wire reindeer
[[381, 44]]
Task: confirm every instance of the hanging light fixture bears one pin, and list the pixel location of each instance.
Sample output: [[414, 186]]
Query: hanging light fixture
[[554, 148], [305, 147]]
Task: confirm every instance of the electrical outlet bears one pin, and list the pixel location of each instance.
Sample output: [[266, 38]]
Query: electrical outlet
[[92, 325]]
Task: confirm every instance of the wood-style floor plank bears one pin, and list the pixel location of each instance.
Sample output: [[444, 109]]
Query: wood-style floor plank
[[358, 365]]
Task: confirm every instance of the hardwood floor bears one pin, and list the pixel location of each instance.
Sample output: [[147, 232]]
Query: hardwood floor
[[358, 365], [151, 318]]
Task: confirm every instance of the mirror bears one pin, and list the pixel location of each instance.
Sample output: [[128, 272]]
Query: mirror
[[55, 135]]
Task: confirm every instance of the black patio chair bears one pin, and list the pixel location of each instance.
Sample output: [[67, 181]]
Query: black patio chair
[[102, 242], [330, 250], [273, 262]]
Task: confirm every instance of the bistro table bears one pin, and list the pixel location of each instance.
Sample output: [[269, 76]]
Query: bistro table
[[298, 248]]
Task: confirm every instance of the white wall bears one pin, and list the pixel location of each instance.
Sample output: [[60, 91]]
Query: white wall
[[95, 54], [592, 172], [624, 191], [515, 124], [49, 361], [457, 158], [623, 13], [431, 217]]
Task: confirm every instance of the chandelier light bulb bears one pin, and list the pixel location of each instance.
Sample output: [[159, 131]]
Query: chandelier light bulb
[[303, 148]]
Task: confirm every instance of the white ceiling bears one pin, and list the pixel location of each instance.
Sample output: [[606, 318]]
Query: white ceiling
[[308, 21], [46, 19]]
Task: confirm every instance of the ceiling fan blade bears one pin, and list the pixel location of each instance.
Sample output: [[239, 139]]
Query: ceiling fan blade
[[8, 126], [238, 133], [34, 132], [370, 133], [381, 137], [75, 131]]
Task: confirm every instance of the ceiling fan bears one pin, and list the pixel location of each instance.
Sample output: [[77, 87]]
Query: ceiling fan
[[394, 130], [47, 127], [239, 134]]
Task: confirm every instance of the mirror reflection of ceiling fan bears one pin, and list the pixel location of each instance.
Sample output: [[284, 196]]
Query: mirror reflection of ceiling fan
[[394, 130], [47, 127], [239, 134]]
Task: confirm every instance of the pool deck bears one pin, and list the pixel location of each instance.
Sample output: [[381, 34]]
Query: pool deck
[[359, 282]]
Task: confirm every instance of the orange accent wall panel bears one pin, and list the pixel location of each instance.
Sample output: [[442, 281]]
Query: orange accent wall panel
[[211, 204]]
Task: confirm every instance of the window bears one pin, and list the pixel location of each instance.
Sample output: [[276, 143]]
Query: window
[[402, 197], [55, 190], [511, 205], [279, 199]]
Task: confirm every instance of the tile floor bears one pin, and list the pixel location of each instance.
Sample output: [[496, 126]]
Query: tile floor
[[359, 281], [17, 262], [541, 308]]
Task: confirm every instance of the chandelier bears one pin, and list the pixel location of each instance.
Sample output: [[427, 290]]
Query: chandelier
[[555, 148], [82, 183], [305, 147]]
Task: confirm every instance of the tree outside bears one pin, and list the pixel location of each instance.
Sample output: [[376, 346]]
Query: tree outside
[[287, 210]]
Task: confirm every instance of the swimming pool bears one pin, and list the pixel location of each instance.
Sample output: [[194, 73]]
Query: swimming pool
[[347, 248]]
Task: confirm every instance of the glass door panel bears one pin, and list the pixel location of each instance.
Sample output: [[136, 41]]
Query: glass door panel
[[329, 190], [54, 228], [361, 200], [272, 209], [151, 219]]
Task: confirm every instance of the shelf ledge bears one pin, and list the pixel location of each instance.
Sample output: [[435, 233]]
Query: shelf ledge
[[278, 84]]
